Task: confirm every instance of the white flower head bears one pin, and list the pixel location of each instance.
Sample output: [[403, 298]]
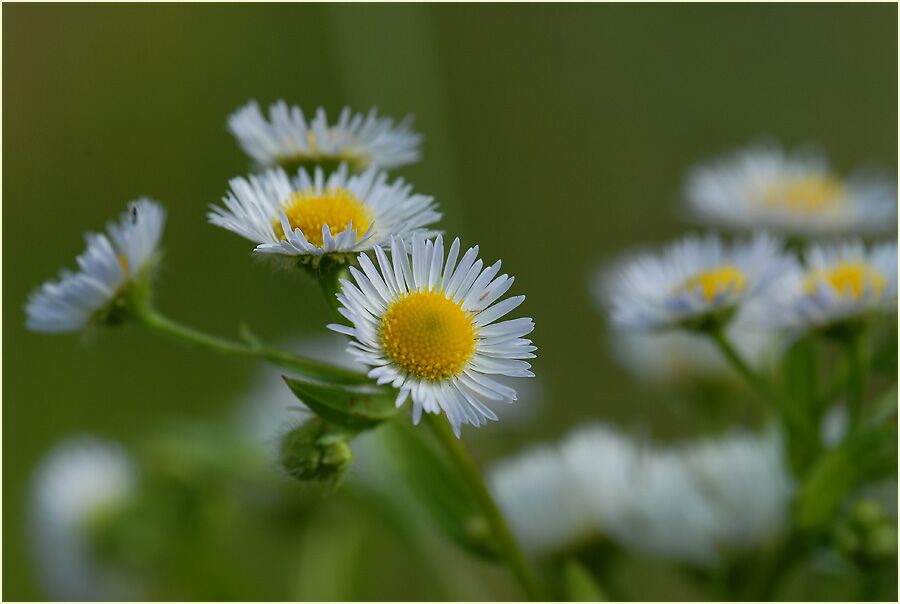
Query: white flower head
[[287, 139], [838, 282], [79, 481], [692, 281], [793, 193], [110, 264], [311, 215], [690, 502], [430, 329]]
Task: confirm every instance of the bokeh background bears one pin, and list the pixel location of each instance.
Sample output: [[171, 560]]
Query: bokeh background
[[555, 136]]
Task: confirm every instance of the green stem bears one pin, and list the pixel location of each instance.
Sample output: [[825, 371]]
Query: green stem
[[755, 380], [506, 542], [778, 568], [155, 321], [856, 377], [329, 275]]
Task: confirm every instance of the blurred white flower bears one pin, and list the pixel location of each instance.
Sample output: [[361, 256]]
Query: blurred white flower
[[671, 357], [793, 193], [837, 282], [692, 280], [689, 502], [536, 494], [77, 482], [431, 329], [311, 215], [107, 266], [288, 139]]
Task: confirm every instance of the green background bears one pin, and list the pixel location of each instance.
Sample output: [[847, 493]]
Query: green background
[[555, 136]]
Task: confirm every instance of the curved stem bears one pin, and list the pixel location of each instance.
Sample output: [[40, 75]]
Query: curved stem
[[155, 321], [506, 542], [755, 380], [149, 317]]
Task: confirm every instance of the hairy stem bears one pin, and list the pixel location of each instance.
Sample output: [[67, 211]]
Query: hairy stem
[[159, 323]]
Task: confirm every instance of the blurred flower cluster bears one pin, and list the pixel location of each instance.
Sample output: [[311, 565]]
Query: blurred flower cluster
[[796, 306], [792, 312]]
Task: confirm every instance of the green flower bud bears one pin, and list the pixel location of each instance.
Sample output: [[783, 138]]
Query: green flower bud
[[316, 450]]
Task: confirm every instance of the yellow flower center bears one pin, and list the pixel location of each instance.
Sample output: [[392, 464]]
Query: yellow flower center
[[428, 335], [714, 281], [123, 262], [807, 194], [336, 208], [849, 279]]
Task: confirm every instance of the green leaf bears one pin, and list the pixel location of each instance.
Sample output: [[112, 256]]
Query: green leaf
[[579, 584], [867, 456], [439, 490], [351, 406]]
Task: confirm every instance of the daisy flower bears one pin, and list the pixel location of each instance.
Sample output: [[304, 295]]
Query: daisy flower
[[310, 216], [78, 482], [430, 329], [796, 194], [691, 502], [287, 139], [838, 282], [695, 282], [110, 267]]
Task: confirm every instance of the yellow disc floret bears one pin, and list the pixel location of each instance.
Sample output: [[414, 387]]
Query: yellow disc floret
[[336, 208], [849, 279], [429, 335], [714, 281], [807, 194]]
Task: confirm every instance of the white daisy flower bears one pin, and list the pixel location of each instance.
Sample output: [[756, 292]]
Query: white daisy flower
[[694, 281], [110, 264], [690, 502], [79, 481], [309, 216], [796, 194], [431, 329], [287, 139], [838, 282]]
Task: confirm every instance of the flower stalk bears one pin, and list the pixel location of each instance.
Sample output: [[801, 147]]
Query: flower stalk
[[507, 545], [734, 358], [153, 320]]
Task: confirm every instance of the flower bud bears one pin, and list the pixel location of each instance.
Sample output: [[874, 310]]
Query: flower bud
[[316, 451]]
